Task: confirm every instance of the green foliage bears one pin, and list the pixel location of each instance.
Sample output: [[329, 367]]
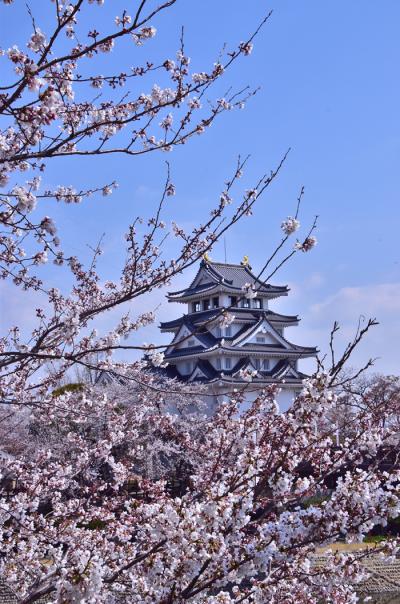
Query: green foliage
[[375, 538], [73, 387], [315, 500], [93, 525]]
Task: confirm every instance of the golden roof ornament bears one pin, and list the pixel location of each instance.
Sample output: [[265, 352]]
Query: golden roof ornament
[[206, 257], [245, 261]]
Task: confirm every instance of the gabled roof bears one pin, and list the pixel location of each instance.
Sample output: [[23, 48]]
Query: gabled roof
[[237, 344], [251, 330], [247, 315], [231, 278], [205, 338], [241, 337], [203, 371], [282, 370], [238, 275], [105, 378], [260, 350]]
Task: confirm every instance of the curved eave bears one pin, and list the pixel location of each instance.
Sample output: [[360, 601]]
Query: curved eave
[[283, 288], [192, 293], [202, 317], [223, 378], [306, 349], [301, 351], [257, 383], [282, 373], [223, 289], [243, 352], [189, 294], [228, 277]]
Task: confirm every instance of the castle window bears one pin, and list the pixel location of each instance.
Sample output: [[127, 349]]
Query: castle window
[[245, 303], [196, 306], [218, 332], [232, 301], [257, 363], [206, 304], [227, 363], [266, 364], [228, 331], [260, 340], [257, 303], [215, 302], [218, 363]]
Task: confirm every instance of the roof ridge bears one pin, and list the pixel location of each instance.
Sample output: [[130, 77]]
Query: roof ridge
[[226, 264]]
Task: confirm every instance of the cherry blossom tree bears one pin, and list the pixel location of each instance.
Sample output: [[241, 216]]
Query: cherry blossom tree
[[367, 391], [130, 491]]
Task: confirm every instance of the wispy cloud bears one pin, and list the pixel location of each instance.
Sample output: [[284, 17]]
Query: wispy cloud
[[370, 300], [347, 306]]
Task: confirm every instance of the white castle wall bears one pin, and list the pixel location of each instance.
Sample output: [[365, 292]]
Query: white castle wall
[[285, 398]]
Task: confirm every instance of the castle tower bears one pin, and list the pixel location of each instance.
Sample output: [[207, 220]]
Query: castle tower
[[229, 338]]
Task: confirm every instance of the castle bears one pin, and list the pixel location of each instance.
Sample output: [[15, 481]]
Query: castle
[[229, 338]]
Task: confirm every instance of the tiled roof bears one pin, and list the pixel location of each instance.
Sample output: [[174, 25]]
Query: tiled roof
[[242, 314], [229, 345], [184, 352], [232, 344], [190, 291], [206, 368], [272, 348], [240, 336], [211, 374], [231, 277], [7, 596], [238, 275]]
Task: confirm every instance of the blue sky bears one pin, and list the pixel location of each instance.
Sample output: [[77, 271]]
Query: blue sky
[[329, 88]]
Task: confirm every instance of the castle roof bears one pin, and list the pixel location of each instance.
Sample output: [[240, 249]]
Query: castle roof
[[228, 348], [213, 277], [203, 371], [238, 344], [259, 350], [244, 315]]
